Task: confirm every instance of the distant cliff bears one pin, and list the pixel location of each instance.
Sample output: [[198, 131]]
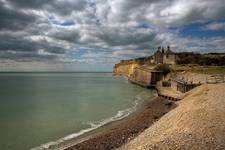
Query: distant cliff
[[126, 67], [141, 72]]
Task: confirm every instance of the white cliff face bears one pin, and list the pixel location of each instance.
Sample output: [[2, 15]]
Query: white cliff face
[[125, 69]]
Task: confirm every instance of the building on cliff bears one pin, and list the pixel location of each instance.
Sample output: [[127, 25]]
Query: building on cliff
[[164, 57]]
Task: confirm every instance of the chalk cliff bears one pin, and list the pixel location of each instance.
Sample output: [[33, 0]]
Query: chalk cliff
[[125, 67]]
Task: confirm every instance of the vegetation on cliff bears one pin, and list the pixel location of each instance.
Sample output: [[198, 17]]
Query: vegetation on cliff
[[209, 59]]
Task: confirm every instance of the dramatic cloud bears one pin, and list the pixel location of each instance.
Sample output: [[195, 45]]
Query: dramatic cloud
[[78, 34]]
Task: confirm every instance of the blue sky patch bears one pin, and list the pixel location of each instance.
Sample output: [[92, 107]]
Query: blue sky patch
[[55, 21], [199, 30]]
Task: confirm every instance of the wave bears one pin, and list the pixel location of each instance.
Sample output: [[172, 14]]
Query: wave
[[94, 125]]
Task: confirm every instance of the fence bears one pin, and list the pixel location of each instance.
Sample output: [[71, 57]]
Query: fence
[[215, 78]]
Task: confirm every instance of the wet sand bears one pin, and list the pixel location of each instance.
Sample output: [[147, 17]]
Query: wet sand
[[117, 133]]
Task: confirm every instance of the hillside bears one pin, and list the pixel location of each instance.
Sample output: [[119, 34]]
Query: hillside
[[197, 123], [199, 120], [208, 59]]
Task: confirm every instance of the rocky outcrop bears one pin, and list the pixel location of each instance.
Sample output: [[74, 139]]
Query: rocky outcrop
[[125, 67], [142, 74]]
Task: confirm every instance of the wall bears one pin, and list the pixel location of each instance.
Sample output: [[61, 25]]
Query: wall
[[169, 59], [155, 77], [182, 86], [158, 57], [142, 76]]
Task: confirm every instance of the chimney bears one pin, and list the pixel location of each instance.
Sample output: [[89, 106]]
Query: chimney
[[168, 47], [163, 50], [159, 48]]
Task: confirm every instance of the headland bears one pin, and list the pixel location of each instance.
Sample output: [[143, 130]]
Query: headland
[[188, 112]]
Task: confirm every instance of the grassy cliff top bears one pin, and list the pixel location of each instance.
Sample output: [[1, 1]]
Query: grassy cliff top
[[199, 69]]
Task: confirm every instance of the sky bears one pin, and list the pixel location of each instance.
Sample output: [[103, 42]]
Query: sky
[[93, 35]]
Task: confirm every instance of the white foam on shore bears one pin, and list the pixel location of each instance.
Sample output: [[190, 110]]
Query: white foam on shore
[[94, 125]]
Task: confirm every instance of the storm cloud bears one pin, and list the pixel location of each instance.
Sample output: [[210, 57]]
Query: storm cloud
[[96, 31]]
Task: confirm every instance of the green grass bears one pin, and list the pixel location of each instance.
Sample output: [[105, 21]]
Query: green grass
[[200, 69], [209, 69]]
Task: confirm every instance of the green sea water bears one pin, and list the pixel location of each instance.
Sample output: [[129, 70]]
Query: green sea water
[[38, 108]]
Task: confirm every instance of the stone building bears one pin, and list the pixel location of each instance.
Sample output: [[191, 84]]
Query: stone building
[[182, 85], [166, 57], [146, 76], [158, 56]]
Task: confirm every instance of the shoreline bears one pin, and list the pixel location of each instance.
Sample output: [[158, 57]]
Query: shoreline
[[116, 133], [196, 123], [88, 133]]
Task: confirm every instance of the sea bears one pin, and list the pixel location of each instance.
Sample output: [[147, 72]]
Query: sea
[[42, 109]]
